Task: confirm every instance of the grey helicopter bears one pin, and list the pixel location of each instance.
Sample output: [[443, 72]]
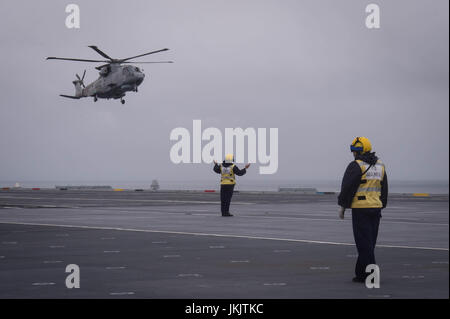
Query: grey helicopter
[[116, 78]]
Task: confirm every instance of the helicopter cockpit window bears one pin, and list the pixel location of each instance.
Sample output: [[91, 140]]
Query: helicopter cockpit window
[[105, 70]]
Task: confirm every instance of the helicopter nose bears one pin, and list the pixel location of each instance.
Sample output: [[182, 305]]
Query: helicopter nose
[[139, 77]]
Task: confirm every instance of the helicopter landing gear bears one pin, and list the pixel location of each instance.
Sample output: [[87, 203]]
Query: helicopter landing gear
[[95, 99], [122, 101]]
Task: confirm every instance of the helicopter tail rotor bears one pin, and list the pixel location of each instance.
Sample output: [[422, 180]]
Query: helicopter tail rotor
[[79, 85], [80, 80]]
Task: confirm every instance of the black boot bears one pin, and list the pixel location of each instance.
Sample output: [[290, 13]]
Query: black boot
[[226, 215], [359, 279]]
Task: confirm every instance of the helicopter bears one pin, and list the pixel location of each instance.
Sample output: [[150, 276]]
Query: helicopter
[[115, 78]]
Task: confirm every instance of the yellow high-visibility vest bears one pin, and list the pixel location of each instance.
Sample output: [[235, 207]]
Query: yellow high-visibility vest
[[369, 191], [227, 175]]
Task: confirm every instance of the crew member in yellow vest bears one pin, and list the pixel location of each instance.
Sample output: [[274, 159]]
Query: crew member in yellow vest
[[228, 171], [364, 189]]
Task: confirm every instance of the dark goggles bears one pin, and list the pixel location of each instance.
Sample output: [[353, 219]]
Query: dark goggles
[[354, 148]]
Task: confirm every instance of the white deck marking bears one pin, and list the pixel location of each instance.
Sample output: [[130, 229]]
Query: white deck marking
[[111, 251], [171, 256], [52, 261], [220, 235], [384, 219], [189, 275], [122, 200], [396, 220], [275, 284], [113, 268], [43, 284], [334, 220], [121, 293]]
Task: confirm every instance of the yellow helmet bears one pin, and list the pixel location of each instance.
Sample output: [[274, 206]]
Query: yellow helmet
[[361, 145], [229, 158]]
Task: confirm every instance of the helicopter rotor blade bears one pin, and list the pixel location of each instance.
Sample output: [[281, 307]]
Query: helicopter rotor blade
[[84, 73], [137, 56], [149, 62], [79, 60], [103, 54]]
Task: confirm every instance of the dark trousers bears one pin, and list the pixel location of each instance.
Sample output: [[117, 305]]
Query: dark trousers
[[365, 230], [226, 192]]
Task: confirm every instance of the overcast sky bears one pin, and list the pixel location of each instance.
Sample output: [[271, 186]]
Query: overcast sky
[[309, 68]]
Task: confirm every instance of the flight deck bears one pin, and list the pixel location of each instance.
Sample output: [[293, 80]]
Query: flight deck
[[175, 244]]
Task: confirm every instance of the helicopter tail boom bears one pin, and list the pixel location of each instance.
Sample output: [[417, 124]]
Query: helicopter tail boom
[[71, 97]]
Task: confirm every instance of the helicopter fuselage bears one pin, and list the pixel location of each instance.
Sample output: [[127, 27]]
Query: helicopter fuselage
[[114, 82]]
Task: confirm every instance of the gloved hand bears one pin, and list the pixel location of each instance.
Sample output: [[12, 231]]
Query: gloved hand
[[341, 212]]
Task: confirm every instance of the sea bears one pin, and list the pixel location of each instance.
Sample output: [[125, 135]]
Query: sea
[[407, 187]]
